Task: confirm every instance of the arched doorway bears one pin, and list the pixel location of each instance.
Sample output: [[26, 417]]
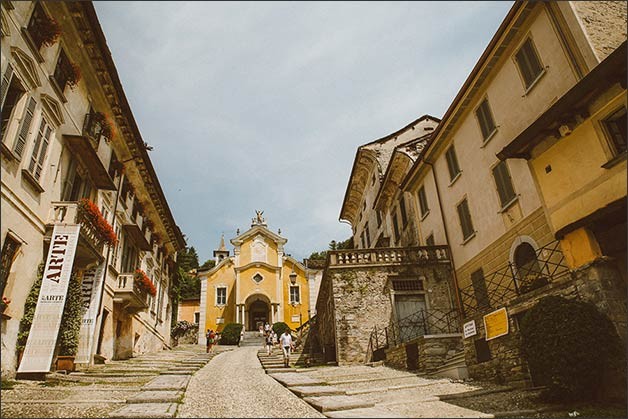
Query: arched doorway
[[259, 313]]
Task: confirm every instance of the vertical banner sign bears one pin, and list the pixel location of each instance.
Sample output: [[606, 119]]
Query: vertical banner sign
[[42, 338], [91, 288]]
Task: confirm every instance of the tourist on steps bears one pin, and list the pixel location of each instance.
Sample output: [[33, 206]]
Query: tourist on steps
[[286, 346]]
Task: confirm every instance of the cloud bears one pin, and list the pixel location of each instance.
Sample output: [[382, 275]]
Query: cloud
[[261, 105]]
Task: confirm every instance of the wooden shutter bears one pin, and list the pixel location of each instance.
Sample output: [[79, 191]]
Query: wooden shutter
[[504, 183], [39, 149], [423, 201], [6, 81], [24, 127], [452, 163], [465, 219]]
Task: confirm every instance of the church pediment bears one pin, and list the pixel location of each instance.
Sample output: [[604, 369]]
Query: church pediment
[[257, 265], [255, 231]]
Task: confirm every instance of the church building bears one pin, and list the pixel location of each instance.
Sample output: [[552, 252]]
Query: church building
[[258, 283]]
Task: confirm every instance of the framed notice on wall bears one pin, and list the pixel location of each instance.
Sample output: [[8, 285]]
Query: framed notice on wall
[[468, 329], [496, 324]]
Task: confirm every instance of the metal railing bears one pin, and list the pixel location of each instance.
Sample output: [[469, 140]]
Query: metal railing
[[383, 256], [511, 281], [420, 323], [67, 212]]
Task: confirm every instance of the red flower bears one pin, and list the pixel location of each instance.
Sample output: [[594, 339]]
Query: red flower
[[144, 282], [6, 300], [97, 221]]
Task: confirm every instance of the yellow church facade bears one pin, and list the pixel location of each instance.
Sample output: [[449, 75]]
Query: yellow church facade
[[256, 284]]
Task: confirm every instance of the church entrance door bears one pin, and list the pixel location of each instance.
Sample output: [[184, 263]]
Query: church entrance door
[[258, 314]]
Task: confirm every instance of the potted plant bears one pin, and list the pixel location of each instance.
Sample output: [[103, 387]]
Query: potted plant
[[106, 127], [92, 215], [44, 30], [68, 338], [144, 283], [73, 75]]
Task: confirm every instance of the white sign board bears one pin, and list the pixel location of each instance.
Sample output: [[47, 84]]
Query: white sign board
[[469, 329], [42, 337], [91, 288]]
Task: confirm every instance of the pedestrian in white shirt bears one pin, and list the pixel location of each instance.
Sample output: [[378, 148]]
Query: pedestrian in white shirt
[[286, 346]]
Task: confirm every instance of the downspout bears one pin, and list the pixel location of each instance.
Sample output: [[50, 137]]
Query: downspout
[[451, 259]]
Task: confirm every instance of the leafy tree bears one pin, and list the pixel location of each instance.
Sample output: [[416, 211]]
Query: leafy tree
[[189, 285], [188, 259], [208, 264], [68, 339], [318, 255], [333, 245]]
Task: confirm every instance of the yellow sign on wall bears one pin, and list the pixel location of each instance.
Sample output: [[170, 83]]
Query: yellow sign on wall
[[496, 324]]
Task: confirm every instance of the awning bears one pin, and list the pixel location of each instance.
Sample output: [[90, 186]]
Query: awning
[[88, 157], [137, 236], [610, 71]]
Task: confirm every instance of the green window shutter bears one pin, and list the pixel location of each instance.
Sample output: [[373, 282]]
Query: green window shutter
[[504, 183], [24, 127]]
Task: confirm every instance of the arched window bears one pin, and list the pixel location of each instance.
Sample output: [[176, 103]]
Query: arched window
[[529, 273]]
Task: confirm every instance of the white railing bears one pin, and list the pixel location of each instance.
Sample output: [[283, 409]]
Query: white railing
[[383, 256]]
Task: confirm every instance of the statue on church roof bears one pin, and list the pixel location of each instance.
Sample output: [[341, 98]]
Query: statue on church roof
[[258, 220]]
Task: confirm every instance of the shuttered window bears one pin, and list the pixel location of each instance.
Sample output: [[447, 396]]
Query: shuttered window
[[616, 129], [40, 149], [465, 219], [528, 62], [485, 119], [6, 80], [395, 225], [452, 163], [402, 209], [12, 93], [367, 235], [25, 127], [423, 201], [504, 183]]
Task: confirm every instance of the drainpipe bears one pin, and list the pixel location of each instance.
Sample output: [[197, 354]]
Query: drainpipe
[[451, 259]]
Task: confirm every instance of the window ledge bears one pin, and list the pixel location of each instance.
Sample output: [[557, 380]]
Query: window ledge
[[31, 45], [489, 138], [508, 204], [34, 183], [58, 90], [468, 239], [423, 216], [455, 178], [534, 82], [614, 161], [8, 152]]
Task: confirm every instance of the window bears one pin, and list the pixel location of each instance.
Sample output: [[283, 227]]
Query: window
[[429, 241], [479, 289], [423, 202], [63, 71], [129, 256], [465, 219], [528, 63], [362, 240], [9, 250], [504, 183], [197, 317], [258, 278], [378, 214], [295, 297], [616, 130], [367, 235], [482, 351], [452, 163], [485, 119], [12, 93], [395, 225], [39, 20], [402, 209], [221, 296], [77, 183], [40, 149]]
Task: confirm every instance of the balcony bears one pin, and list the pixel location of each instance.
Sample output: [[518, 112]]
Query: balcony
[[129, 294], [82, 147], [90, 245], [388, 256]]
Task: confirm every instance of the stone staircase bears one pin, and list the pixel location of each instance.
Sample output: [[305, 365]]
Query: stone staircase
[[252, 338], [454, 367]]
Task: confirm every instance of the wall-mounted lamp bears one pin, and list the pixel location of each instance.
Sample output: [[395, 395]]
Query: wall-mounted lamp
[[293, 278]]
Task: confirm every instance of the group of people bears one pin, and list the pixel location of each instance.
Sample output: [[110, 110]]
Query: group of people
[[271, 339], [212, 338]]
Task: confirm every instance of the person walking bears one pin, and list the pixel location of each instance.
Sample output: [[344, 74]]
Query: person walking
[[208, 340], [266, 328], [212, 340], [269, 343], [286, 346]]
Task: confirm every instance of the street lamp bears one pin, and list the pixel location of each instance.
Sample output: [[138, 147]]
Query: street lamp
[[293, 278]]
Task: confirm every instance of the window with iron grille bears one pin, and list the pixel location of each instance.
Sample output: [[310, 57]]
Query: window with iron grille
[[221, 296], [528, 62], [479, 289], [452, 163], [465, 219], [423, 201], [616, 131], [504, 183], [407, 285], [295, 295], [485, 119], [402, 209]]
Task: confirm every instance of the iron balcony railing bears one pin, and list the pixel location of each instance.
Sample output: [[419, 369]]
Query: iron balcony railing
[[512, 281], [421, 323]]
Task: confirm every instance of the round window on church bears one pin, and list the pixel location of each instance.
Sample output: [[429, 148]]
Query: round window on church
[[258, 278]]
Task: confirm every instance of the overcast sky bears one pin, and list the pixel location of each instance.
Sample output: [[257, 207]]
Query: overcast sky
[[261, 106]]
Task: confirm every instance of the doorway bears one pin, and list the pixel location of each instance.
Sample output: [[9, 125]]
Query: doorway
[[258, 314]]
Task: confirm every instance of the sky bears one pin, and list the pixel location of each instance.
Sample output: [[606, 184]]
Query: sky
[[262, 105]]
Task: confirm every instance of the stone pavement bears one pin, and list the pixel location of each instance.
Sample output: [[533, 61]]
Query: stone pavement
[[370, 392], [150, 385]]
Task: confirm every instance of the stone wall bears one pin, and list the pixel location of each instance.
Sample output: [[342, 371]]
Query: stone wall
[[604, 23], [434, 350], [599, 283], [396, 357]]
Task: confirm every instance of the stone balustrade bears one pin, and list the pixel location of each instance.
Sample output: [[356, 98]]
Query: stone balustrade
[[392, 256], [67, 212], [130, 293]]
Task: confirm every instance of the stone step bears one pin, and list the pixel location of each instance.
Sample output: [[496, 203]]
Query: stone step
[[363, 412], [167, 383], [293, 379], [280, 370], [334, 403], [156, 396], [314, 391], [145, 410]]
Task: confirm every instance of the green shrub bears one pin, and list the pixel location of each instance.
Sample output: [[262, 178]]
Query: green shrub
[[280, 327], [29, 311], [230, 335], [68, 338], [569, 345]]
